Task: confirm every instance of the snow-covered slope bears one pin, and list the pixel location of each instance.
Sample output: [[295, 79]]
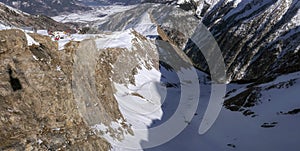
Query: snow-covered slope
[[131, 83], [146, 18], [126, 84], [2, 27], [139, 86], [271, 124], [255, 112], [263, 114], [99, 13], [110, 2]]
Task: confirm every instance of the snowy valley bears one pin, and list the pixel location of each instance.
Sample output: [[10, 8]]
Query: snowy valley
[[209, 75]]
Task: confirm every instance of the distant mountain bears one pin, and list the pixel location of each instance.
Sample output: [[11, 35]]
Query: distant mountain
[[46, 7], [87, 91], [15, 18], [109, 2], [258, 39]]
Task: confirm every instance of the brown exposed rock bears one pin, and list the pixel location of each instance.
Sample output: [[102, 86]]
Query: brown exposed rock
[[51, 99], [41, 113]]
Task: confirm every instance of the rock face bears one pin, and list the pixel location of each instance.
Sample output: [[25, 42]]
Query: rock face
[[270, 50], [107, 85], [150, 16], [83, 97], [258, 39], [46, 7], [38, 110], [56, 100], [258, 56], [249, 54]]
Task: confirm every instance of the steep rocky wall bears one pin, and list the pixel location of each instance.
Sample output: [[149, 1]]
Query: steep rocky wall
[[258, 39], [53, 99], [37, 106]]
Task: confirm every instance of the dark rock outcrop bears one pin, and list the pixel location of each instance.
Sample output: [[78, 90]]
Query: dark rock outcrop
[[258, 39]]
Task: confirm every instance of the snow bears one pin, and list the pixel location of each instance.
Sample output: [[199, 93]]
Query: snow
[[58, 68], [296, 18], [146, 82], [35, 58], [31, 41], [138, 111], [98, 13], [56, 129], [229, 128], [212, 3], [239, 130], [236, 2], [42, 32], [145, 26], [72, 37], [39, 141], [282, 78], [151, 110], [115, 40], [183, 1], [3, 27], [63, 42], [143, 113]]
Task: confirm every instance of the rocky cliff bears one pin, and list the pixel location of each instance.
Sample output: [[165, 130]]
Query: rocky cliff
[[258, 39], [94, 93], [60, 100], [38, 110]]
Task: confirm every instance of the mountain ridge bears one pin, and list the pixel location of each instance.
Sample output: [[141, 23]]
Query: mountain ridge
[[46, 7]]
